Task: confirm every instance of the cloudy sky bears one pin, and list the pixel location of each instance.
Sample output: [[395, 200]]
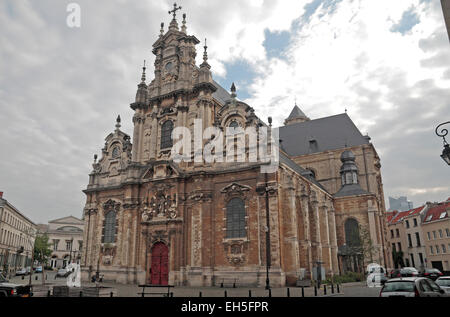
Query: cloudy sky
[[61, 88]]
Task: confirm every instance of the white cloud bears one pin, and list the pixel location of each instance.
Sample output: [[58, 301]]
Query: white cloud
[[61, 89]]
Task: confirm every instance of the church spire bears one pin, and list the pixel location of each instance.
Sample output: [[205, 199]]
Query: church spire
[[205, 57], [296, 116], [142, 91]]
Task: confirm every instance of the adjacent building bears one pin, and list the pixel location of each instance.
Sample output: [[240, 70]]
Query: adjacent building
[[420, 237], [17, 235], [436, 230], [66, 238], [400, 204]]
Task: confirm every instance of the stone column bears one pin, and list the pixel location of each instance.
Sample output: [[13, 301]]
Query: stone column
[[316, 243], [325, 238], [333, 239], [154, 136], [306, 256]]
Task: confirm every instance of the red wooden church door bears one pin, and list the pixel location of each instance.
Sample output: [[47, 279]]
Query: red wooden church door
[[160, 265]]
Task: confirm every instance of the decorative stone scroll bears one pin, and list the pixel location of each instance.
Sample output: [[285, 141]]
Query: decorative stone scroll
[[235, 251], [236, 189]]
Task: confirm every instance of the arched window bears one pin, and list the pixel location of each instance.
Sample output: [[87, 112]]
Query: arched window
[[352, 233], [166, 135], [236, 219], [115, 152], [109, 234]]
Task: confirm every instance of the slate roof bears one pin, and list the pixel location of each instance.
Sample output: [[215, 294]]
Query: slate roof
[[296, 113], [300, 170], [350, 190], [329, 133], [221, 94]]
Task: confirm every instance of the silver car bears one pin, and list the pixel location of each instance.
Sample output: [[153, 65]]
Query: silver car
[[411, 287], [444, 283]]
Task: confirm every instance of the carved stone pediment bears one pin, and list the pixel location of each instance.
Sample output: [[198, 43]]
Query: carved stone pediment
[[111, 205], [236, 189]]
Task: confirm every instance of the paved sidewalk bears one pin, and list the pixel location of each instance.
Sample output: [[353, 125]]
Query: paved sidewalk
[[133, 290], [182, 291]]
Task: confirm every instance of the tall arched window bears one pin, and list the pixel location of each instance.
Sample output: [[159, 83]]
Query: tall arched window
[[236, 219], [109, 234], [352, 232], [166, 135]]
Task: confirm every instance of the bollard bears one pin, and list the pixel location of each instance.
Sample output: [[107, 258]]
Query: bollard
[[270, 292], [81, 293], [48, 293], [55, 276], [288, 292], [332, 288], [249, 293], [221, 285], [45, 276], [200, 294], [225, 294], [324, 289], [112, 294], [36, 278], [315, 290], [171, 294], [23, 277], [303, 291], [337, 285], [234, 285]]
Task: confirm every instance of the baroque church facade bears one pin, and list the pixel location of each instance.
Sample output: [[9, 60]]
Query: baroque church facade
[[151, 220]]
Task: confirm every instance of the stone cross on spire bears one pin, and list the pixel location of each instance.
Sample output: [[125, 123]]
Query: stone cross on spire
[[174, 11]]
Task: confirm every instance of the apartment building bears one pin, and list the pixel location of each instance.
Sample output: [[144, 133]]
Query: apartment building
[[17, 235], [436, 230]]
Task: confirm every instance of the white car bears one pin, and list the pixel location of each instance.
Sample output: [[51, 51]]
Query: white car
[[376, 276], [411, 287], [444, 283]]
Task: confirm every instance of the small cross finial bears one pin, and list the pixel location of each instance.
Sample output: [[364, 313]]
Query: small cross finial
[[174, 11]]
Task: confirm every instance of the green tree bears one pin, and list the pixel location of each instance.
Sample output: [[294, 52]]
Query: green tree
[[42, 251], [368, 250]]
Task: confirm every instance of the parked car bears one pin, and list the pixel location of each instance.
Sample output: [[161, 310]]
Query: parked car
[[411, 287], [404, 272], [432, 274], [13, 290], [24, 271], [376, 276], [63, 272], [444, 283]]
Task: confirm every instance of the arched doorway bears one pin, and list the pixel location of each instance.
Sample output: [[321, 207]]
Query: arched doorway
[[159, 274]]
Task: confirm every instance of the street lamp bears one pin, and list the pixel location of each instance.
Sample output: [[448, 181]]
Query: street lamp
[[443, 133]]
